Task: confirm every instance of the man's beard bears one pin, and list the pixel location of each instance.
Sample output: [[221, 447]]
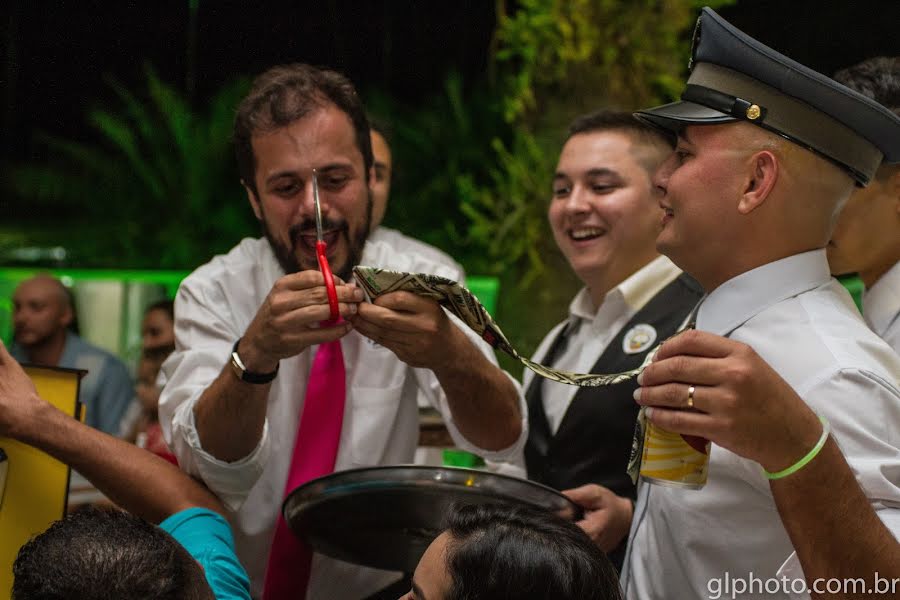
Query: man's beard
[[287, 257]]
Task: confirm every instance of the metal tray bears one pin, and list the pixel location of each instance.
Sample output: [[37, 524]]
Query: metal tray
[[385, 517]]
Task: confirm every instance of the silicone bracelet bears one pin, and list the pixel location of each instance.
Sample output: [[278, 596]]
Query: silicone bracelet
[[826, 429]]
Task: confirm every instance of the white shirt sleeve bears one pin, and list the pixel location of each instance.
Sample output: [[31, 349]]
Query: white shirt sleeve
[[204, 340]]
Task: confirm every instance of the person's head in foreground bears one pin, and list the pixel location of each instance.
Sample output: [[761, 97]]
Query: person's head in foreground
[[106, 555], [866, 239], [768, 152], [502, 552], [605, 213], [297, 118]]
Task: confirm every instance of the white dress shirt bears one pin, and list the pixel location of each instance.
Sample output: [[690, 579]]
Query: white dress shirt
[[407, 245], [214, 306], [805, 325], [881, 307]]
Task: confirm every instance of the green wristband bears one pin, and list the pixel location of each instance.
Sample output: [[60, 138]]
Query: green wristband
[[826, 429]]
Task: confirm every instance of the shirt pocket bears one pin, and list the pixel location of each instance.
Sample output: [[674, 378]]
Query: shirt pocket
[[373, 423]]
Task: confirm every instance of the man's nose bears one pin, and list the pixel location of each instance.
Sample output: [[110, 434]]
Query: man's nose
[[663, 172], [577, 200]]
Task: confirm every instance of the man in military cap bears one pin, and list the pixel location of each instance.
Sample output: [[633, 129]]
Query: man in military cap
[[866, 239], [768, 151]]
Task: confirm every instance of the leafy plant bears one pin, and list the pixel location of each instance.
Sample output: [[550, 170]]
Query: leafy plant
[[159, 181]]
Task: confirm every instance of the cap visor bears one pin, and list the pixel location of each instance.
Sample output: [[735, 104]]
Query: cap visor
[[675, 116]]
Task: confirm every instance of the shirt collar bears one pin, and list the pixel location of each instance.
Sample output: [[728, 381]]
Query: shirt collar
[[632, 294], [882, 303], [741, 298]]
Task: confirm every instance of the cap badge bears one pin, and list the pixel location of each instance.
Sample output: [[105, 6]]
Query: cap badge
[[753, 112], [638, 339]]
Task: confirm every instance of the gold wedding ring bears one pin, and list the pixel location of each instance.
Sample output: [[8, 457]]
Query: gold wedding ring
[[690, 402]]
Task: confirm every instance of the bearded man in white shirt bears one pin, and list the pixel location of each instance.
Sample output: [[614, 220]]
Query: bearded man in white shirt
[[767, 153], [266, 302], [866, 239]]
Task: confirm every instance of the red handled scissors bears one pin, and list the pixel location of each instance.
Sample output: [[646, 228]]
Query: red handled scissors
[[321, 249]]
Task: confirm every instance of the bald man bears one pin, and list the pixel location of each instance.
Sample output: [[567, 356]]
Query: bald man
[[42, 314], [768, 151]]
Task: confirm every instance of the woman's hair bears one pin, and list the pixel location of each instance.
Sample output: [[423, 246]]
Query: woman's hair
[[501, 552]]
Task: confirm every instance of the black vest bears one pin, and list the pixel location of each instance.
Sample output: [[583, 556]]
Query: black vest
[[593, 442]]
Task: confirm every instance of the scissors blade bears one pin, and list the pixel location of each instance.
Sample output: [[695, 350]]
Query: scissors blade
[[315, 181]]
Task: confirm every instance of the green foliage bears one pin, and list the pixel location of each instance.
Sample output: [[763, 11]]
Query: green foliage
[[159, 181]]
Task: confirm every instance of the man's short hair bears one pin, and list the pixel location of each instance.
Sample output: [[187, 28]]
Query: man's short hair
[[503, 552], [614, 120], [382, 128], [98, 554], [876, 78], [286, 93]]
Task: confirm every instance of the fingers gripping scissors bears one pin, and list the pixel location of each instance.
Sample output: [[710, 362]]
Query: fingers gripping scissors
[[321, 255]]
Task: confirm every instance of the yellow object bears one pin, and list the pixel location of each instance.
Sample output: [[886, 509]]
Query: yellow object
[[36, 484], [670, 460]]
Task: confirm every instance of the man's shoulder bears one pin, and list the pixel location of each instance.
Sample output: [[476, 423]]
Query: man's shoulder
[[385, 242], [80, 347], [245, 269]]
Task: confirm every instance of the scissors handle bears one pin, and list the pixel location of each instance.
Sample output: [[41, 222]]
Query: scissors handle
[[329, 281]]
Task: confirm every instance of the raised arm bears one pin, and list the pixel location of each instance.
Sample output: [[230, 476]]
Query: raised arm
[[749, 409], [135, 479], [483, 399]]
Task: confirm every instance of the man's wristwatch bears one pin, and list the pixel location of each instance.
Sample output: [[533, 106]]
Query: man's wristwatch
[[243, 374]]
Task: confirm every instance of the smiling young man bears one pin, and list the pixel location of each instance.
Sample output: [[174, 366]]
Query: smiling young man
[[605, 217], [768, 151], [262, 307]]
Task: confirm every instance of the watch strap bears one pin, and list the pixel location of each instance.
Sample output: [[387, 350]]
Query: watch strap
[[243, 374]]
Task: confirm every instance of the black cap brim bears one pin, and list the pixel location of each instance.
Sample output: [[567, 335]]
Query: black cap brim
[[675, 116]]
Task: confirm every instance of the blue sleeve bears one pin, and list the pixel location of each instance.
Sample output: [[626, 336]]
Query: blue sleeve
[[207, 537], [114, 394]]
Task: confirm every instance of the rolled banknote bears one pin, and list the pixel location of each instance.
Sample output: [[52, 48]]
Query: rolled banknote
[[463, 303]]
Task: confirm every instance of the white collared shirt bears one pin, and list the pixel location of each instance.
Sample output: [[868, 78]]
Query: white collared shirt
[[881, 307], [214, 306], [591, 330], [805, 325], [408, 245]]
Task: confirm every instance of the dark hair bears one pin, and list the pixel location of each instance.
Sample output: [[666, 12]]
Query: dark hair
[[614, 120], [382, 129], [876, 78], [98, 554], [167, 306], [286, 93], [502, 552]]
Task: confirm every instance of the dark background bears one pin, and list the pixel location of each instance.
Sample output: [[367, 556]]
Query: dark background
[[57, 54]]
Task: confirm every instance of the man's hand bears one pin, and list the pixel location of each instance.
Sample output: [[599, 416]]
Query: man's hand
[[19, 400], [289, 319], [740, 402], [416, 329], [607, 517]]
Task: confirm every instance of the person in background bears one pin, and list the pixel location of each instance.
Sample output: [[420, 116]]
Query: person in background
[[158, 326], [866, 239], [500, 552], [605, 216], [379, 234], [42, 313], [95, 554], [141, 423]]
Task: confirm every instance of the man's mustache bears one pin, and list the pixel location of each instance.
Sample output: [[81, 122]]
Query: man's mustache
[[308, 226]]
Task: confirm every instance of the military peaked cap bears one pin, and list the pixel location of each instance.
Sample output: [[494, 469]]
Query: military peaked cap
[[736, 78]]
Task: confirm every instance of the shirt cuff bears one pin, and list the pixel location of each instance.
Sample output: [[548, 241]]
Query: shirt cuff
[[230, 481]]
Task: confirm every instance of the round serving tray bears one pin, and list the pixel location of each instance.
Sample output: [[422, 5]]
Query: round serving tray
[[385, 517]]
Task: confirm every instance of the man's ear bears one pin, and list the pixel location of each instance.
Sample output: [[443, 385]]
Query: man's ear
[[763, 175], [253, 199]]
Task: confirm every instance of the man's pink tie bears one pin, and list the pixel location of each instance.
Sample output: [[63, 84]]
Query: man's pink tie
[[315, 450]]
